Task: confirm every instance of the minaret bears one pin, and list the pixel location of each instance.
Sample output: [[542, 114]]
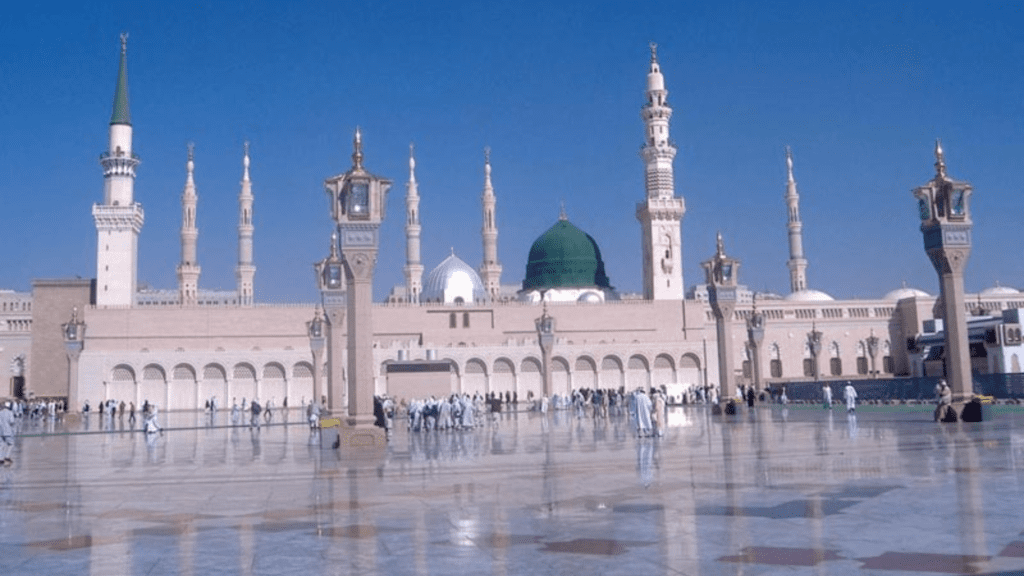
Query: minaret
[[245, 270], [490, 270], [797, 263], [413, 267], [661, 213], [188, 269], [119, 219]]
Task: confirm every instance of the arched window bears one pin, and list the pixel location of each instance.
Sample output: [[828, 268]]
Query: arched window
[[862, 359], [835, 362], [776, 360]]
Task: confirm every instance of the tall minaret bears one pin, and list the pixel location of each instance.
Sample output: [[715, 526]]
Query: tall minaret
[[661, 214], [413, 267], [490, 269], [188, 270], [245, 270], [797, 263], [119, 219]]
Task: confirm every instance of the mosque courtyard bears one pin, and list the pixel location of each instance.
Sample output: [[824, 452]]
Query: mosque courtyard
[[797, 490]]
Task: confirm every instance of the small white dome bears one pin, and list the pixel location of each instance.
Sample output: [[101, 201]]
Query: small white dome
[[453, 282], [905, 292], [590, 297], [809, 296], [998, 290]]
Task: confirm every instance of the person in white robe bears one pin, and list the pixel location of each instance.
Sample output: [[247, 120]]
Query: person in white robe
[[826, 392], [7, 427], [643, 413], [659, 414], [152, 426], [850, 395]]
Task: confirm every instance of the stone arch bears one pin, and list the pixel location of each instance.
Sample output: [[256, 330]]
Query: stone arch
[[503, 374], [475, 379], [243, 382], [214, 384], [689, 370], [301, 385], [274, 385], [182, 390], [121, 385], [637, 372], [531, 376], [561, 382], [584, 373], [611, 375], [154, 385], [664, 372]]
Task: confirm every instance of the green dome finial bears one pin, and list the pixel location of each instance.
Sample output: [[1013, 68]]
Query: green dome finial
[[121, 114]]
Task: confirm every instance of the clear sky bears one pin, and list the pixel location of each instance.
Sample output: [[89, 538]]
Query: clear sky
[[859, 90]]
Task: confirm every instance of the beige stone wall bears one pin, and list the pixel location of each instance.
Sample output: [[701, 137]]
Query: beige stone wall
[[52, 305]]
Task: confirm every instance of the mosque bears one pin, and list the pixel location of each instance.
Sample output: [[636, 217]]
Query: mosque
[[460, 328]]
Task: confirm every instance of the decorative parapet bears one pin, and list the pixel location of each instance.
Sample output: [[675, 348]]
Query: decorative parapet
[[119, 217], [119, 164]]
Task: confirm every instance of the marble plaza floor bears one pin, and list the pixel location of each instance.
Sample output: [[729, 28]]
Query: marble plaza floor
[[771, 491]]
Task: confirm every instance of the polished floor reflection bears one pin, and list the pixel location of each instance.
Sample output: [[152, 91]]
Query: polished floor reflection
[[771, 491]]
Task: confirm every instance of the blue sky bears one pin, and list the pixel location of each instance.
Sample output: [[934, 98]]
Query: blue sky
[[858, 90]]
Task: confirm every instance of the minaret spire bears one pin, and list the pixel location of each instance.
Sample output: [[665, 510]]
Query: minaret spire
[[413, 266], [188, 268], [661, 212], [119, 218], [246, 270], [797, 263], [490, 269]]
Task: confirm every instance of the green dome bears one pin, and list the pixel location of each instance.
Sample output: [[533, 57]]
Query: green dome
[[564, 257]]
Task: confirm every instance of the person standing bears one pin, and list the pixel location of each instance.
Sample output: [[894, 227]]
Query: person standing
[[826, 393], [643, 413], [659, 414], [131, 413], [944, 398], [850, 395], [6, 433]]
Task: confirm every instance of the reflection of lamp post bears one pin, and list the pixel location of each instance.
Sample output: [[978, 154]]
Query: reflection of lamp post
[[315, 330], [74, 340], [814, 343], [546, 337], [755, 336], [944, 206], [872, 342], [721, 272]]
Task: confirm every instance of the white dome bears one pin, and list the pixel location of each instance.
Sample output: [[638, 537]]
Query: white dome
[[453, 282], [998, 290], [905, 292], [809, 296]]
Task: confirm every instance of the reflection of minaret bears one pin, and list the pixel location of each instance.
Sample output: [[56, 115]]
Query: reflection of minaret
[[119, 219], [245, 270], [188, 269], [797, 263], [661, 212], [413, 267], [490, 270]]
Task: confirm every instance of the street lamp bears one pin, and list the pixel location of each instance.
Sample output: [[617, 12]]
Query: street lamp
[[945, 212], [317, 337], [74, 340], [546, 337], [721, 272]]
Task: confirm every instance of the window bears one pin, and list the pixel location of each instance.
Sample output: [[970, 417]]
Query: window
[[887, 364], [862, 365], [776, 367], [747, 373], [809, 367], [837, 366], [452, 321], [465, 319]]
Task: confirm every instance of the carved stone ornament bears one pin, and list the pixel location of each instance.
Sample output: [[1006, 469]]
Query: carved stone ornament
[[360, 265]]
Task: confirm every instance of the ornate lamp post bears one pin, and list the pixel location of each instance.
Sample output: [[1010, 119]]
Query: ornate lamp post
[[358, 202], [721, 272], [944, 208], [872, 342], [546, 337], [74, 340], [316, 330], [755, 336], [814, 343], [330, 277]]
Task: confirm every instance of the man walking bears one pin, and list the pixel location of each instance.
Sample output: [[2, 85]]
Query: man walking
[[850, 395], [6, 433]]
